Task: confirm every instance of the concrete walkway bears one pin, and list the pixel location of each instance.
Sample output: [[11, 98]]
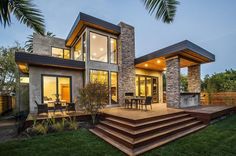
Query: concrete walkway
[[8, 129]]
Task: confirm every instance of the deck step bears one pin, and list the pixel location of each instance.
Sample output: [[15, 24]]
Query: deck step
[[135, 138], [143, 131], [164, 141], [143, 124]]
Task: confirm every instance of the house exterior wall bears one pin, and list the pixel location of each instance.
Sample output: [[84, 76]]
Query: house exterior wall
[[126, 56], [35, 79], [194, 79], [173, 82], [139, 71], [42, 45]]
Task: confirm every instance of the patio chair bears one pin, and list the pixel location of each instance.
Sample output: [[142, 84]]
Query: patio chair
[[58, 106], [148, 101], [128, 96], [42, 108], [70, 107]]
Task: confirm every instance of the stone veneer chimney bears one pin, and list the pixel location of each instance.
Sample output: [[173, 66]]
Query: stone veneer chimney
[[126, 56]]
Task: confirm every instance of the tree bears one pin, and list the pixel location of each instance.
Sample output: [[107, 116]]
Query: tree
[[24, 11], [29, 42], [183, 83], [163, 9], [93, 97], [220, 82], [8, 69]]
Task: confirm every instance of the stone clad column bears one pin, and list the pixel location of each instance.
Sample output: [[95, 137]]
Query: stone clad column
[[126, 56], [173, 82], [194, 79]]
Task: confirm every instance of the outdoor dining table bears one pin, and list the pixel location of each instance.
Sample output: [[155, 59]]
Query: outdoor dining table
[[136, 101]]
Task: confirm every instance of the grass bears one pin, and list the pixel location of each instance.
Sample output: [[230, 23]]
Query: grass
[[218, 139]]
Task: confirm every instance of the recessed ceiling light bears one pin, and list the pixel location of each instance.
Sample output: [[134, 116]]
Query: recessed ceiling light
[[112, 41], [101, 49], [158, 61], [94, 36], [146, 65]]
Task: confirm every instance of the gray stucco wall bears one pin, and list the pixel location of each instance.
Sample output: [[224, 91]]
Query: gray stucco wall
[[35, 82], [42, 45]]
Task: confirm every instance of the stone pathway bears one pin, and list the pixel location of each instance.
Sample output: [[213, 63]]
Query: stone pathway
[[8, 129]]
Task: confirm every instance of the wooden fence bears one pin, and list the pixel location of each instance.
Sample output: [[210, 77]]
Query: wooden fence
[[7, 103], [220, 98]]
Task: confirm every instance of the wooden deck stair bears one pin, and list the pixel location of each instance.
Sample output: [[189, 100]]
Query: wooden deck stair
[[134, 137]]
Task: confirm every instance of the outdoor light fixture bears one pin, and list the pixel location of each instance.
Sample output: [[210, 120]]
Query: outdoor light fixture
[[94, 36]]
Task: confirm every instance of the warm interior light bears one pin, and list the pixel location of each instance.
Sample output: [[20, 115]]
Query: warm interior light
[[94, 36], [101, 49], [158, 61], [164, 68], [94, 54], [146, 65], [112, 41]]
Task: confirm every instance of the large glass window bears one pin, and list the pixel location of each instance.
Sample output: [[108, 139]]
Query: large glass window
[[137, 86], [149, 86], [142, 86], [99, 76], [84, 46], [114, 88], [56, 87], [78, 51], [61, 53], [113, 47], [98, 47], [57, 52]]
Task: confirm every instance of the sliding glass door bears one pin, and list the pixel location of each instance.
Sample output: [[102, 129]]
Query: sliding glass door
[[147, 86], [54, 87]]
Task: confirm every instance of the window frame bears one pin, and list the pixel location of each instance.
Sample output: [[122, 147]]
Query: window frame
[[99, 33], [110, 37], [117, 86], [63, 50], [56, 76]]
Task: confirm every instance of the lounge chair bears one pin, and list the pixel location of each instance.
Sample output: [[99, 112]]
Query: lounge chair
[[42, 108]]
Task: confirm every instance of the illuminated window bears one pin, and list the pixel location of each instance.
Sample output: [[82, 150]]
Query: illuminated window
[[78, 51], [137, 86], [61, 53], [56, 87], [84, 46], [57, 52], [99, 76], [114, 88], [98, 47], [24, 79], [113, 46]]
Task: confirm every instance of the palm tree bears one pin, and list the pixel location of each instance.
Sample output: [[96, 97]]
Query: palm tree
[[24, 11], [163, 9], [29, 42]]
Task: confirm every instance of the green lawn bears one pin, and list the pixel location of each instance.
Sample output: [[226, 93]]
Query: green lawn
[[216, 140]]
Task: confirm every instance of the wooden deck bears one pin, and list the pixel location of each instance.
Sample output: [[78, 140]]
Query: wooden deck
[[135, 114]]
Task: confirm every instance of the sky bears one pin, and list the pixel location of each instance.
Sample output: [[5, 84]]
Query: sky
[[210, 24]]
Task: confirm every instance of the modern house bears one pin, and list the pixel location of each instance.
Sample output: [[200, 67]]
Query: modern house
[[98, 50]]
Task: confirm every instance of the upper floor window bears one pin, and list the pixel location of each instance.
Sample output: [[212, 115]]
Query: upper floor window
[[113, 47], [78, 51], [98, 47], [61, 53]]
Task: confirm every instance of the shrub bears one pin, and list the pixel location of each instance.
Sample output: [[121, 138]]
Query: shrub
[[40, 128], [72, 124], [59, 125], [92, 98]]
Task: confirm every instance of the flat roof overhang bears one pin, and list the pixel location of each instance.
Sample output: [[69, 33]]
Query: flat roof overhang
[[24, 60], [84, 20], [189, 53]]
